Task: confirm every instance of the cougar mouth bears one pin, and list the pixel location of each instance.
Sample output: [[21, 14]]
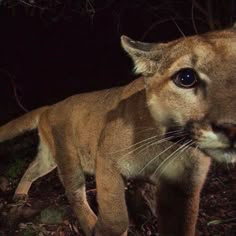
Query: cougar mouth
[[180, 135], [213, 145]]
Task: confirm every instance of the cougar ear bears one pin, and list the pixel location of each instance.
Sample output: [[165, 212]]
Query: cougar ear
[[144, 55]]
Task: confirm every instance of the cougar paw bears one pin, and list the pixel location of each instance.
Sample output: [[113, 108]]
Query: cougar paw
[[125, 233], [21, 211], [20, 198]]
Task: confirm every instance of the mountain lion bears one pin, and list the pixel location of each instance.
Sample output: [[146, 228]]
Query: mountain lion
[[164, 127]]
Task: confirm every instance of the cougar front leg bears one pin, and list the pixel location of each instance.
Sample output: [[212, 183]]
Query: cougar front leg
[[177, 210], [178, 201], [72, 177], [113, 216], [87, 218]]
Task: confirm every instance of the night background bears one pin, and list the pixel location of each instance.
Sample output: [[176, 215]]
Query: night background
[[50, 50]]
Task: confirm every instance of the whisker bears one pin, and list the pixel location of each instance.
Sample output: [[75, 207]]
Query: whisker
[[146, 145], [154, 158], [143, 129], [149, 144], [171, 160], [167, 161], [148, 139], [175, 131], [168, 158]]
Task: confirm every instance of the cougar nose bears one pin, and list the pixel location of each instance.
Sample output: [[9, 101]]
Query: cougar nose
[[228, 129]]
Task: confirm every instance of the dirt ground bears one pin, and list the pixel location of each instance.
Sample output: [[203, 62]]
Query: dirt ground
[[47, 211]]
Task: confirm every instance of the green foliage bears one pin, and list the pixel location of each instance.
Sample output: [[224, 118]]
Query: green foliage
[[29, 231], [52, 215], [15, 168], [217, 222]]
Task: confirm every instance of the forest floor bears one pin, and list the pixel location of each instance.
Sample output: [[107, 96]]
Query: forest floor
[[48, 212]]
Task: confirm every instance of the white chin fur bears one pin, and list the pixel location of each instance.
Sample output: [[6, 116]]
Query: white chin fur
[[222, 155]]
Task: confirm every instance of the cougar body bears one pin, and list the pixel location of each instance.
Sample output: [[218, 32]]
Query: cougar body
[[164, 127]]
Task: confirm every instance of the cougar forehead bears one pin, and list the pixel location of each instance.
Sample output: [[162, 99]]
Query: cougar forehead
[[207, 55], [213, 58]]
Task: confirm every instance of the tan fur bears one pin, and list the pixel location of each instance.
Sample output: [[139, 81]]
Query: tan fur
[[110, 133]]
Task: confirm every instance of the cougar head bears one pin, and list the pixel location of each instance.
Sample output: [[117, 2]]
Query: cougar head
[[191, 85]]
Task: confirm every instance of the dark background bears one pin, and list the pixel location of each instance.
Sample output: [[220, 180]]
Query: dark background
[[50, 50]]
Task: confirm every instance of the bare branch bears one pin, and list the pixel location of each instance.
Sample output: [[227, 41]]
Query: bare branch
[[200, 8], [177, 26], [193, 17], [14, 87], [17, 97], [210, 15]]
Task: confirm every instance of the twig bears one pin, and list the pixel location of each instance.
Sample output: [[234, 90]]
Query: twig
[[17, 97], [177, 26], [32, 5], [161, 22], [200, 8], [14, 87], [210, 15], [193, 18]]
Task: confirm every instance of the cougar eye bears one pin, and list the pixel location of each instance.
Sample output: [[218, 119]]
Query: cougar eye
[[185, 78]]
